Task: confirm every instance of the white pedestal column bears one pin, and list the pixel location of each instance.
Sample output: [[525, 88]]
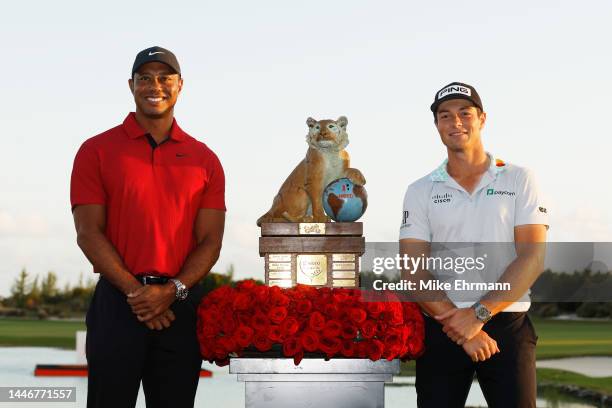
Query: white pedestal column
[[315, 383]]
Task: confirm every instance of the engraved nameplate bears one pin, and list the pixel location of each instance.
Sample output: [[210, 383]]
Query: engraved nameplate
[[279, 266], [281, 283], [344, 283], [343, 257], [312, 269], [279, 275], [279, 258], [344, 274], [343, 266], [311, 228]]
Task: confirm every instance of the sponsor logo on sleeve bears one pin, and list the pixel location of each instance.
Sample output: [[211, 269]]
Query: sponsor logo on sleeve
[[405, 219], [542, 210]]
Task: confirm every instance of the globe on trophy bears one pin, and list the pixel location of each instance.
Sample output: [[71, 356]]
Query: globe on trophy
[[344, 201]]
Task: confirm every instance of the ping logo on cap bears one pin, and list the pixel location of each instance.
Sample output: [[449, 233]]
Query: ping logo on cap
[[454, 89]]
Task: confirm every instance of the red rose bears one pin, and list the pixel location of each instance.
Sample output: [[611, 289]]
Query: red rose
[[316, 321], [303, 306], [243, 335], [375, 309], [242, 301], [275, 334], [259, 321], [297, 358], [331, 311], [347, 348], [246, 284], [228, 344], [368, 329], [330, 346], [290, 326], [310, 340], [261, 294], [375, 349], [392, 337], [357, 315], [394, 314], [277, 314], [361, 349], [261, 341], [348, 331], [228, 324], [279, 299], [332, 329], [291, 346]]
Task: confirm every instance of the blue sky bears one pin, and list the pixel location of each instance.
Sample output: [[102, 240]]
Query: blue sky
[[254, 71]]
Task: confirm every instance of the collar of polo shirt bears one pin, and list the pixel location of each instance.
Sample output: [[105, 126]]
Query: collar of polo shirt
[[134, 130], [496, 166]]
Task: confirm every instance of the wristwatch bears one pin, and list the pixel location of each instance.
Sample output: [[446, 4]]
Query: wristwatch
[[181, 289], [482, 313]]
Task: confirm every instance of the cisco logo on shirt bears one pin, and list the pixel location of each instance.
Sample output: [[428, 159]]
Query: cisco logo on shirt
[[493, 192], [440, 199]]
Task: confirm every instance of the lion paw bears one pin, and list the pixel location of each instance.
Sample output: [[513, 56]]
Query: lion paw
[[355, 176]]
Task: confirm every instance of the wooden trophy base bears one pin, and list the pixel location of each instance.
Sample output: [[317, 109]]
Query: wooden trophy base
[[316, 254]]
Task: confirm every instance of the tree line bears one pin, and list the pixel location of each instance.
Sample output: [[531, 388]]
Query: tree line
[[42, 296]]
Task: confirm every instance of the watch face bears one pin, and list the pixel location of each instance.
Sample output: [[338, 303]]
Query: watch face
[[482, 313]]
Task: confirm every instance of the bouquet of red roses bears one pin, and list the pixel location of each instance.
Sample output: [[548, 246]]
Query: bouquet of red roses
[[303, 319]]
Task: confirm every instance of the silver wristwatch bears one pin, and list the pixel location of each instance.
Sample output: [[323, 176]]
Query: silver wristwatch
[[181, 289], [482, 313]]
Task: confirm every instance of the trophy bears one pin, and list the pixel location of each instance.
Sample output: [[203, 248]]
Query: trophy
[[299, 241]]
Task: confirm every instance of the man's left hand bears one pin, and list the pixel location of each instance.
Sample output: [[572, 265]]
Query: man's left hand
[[460, 324], [150, 301]]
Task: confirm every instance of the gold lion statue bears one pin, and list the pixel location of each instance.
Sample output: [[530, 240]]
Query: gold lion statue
[[300, 197]]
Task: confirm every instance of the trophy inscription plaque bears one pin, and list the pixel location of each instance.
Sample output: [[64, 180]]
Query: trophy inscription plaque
[[294, 254]]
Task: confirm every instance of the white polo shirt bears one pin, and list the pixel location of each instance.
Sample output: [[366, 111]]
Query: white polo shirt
[[437, 209]]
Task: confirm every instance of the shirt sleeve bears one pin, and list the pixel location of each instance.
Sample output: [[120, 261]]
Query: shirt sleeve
[[530, 206], [86, 185], [415, 223], [213, 195]]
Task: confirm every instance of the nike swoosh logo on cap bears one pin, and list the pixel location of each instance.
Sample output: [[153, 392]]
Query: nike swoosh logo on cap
[[156, 52]]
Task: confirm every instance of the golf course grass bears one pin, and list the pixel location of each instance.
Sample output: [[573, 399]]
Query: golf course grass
[[557, 338], [39, 333]]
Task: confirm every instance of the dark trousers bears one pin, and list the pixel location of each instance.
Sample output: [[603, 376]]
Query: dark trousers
[[122, 352], [445, 373]]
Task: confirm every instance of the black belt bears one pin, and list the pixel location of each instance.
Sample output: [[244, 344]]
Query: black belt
[[152, 280]]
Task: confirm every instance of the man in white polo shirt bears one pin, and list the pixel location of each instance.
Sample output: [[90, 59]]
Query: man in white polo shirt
[[475, 198]]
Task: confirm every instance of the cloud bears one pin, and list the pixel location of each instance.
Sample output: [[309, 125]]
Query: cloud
[[30, 225]]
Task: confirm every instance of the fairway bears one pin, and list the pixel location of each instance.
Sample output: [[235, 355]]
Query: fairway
[[557, 338], [566, 338], [39, 333]]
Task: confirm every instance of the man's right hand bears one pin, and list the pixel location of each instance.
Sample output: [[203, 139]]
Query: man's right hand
[[162, 321], [480, 347]]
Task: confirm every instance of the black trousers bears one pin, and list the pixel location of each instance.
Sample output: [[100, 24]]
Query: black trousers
[[445, 372], [122, 352]]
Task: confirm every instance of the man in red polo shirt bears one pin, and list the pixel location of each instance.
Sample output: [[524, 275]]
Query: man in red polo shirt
[[149, 210]]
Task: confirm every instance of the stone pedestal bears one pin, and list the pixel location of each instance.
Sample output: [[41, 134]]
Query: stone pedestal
[[314, 383]]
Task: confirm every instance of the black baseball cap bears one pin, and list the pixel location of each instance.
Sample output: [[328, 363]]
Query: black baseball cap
[[156, 54], [456, 90]]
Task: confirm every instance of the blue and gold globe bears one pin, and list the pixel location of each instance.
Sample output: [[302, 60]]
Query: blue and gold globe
[[344, 201]]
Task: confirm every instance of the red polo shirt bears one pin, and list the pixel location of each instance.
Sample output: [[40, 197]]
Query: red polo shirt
[[152, 194]]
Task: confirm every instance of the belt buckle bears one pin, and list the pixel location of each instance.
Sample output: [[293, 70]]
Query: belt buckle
[[152, 280]]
